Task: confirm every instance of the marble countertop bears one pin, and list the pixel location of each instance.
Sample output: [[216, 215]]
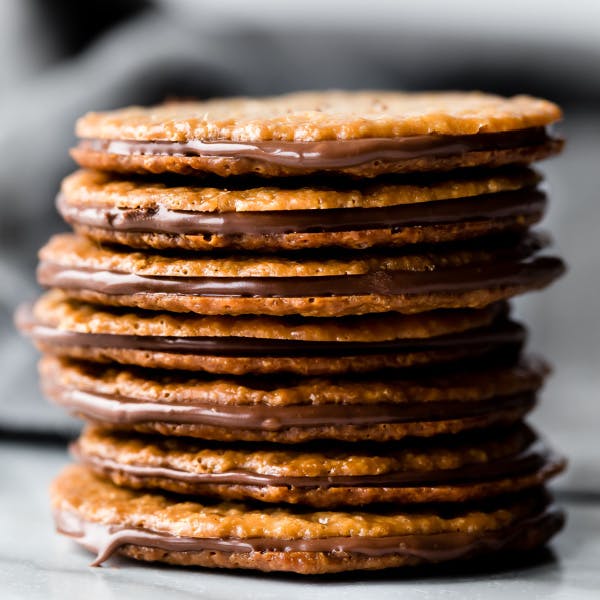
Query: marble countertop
[[35, 563]]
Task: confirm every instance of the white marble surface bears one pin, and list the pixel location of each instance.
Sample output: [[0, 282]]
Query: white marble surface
[[35, 563]]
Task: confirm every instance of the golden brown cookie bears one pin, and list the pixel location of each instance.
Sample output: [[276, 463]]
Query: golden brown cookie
[[446, 469], [107, 519], [380, 406], [309, 284], [363, 134], [295, 214], [240, 345]]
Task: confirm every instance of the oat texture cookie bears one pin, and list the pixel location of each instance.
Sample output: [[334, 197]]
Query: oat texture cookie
[[312, 284], [285, 324], [240, 345], [446, 469], [363, 134], [292, 214], [107, 519], [292, 409]]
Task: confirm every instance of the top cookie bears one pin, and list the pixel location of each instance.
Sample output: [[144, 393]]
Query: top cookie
[[357, 133], [318, 116]]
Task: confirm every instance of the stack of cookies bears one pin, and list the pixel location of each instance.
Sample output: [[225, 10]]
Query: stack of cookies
[[286, 323]]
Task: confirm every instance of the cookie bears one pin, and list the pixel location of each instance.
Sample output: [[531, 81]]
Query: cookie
[[448, 469], [107, 519], [463, 276], [362, 134], [264, 345], [309, 214], [288, 409]]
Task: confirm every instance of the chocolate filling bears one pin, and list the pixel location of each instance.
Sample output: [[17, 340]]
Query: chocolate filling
[[163, 220], [105, 540], [122, 410], [328, 154], [493, 274], [501, 333], [529, 460]]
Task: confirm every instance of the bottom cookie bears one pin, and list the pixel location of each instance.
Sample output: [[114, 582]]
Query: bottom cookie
[[107, 520]]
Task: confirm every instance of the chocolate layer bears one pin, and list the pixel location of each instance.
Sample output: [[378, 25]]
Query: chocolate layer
[[162, 220], [122, 410], [105, 540], [529, 460], [492, 274], [329, 154], [501, 333]]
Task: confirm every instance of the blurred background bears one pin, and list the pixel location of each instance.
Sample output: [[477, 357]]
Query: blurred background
[[59, 59]]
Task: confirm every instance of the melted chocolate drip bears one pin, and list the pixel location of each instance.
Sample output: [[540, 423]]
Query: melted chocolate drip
[[162, 220], [381, 282], [122, 410], [328, 154], [506, 333], [530, 460], [105, 540]]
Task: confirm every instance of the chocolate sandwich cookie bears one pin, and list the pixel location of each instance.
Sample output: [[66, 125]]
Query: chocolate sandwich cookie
[[287, 409], [446, 469], [459, 276], [240, 345], [363, 134], [295, 214], [107, 519]]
